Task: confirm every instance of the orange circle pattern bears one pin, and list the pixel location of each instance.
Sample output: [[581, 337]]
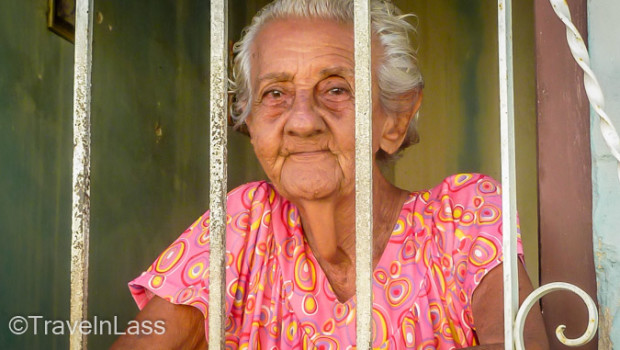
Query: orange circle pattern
[[444, 242]]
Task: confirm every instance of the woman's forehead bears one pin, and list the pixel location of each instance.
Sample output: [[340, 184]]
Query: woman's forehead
[[319, 45], [305, 33]]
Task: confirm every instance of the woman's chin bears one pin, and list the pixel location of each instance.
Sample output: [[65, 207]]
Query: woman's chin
[[317, 181], [308, 190], [309, 186]]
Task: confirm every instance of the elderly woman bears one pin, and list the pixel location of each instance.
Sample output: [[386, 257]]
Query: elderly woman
[[290, 276]]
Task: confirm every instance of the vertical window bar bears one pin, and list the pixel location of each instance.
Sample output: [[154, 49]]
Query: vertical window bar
[[217, 197], [363, 174], [80, 224], [509, 224]]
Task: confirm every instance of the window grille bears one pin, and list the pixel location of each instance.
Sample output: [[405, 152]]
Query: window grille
[[514, 317]]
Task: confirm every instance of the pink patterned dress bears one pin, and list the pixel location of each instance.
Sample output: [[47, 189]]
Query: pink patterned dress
[[277, 297]]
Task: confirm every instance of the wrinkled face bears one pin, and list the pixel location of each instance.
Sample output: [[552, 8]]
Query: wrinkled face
[[302, 118]]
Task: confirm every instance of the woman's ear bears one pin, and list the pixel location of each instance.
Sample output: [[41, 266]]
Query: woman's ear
[[397, 122], [247, 125]]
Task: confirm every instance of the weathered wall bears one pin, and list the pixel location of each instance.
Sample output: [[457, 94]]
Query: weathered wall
[[604, 32], [36, 79], [459, 119]]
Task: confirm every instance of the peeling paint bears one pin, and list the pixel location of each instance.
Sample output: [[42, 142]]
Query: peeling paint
[[606, 256], [604, 340]]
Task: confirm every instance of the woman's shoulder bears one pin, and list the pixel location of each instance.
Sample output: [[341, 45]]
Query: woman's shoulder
[[460, 198], [464, 186]]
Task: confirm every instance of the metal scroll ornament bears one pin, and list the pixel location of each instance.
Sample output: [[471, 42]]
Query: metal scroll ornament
[[592, 87], [559, 331]]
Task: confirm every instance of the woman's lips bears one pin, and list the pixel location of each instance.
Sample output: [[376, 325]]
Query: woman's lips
[[308, 155]]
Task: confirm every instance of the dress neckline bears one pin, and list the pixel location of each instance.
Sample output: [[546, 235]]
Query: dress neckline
[[321, 277]]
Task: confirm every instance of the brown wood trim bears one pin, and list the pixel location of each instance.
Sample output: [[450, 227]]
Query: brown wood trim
[[564, 172]]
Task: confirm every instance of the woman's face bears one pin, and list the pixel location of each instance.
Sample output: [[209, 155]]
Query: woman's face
[[302, 118]]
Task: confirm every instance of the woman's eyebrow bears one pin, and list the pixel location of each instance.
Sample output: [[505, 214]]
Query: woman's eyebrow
[[338, 71], [275, 76]]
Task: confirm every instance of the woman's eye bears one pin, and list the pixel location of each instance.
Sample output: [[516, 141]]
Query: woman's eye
[[275, 94], [274, 97], [337, 94], [336, 91]]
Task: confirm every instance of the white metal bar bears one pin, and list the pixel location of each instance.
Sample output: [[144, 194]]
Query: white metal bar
[[218, 174], [80, 224], [363, 174], [509, 201]]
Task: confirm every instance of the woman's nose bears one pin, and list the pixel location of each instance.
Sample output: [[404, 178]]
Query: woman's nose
[[304, 118]]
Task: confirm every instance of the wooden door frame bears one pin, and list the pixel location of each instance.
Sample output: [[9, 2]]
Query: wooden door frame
[[564, 172]]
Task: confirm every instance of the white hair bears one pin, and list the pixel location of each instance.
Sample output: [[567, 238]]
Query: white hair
[[398, 72]]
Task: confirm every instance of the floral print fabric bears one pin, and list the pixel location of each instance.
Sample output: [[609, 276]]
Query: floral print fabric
[[277, 297]]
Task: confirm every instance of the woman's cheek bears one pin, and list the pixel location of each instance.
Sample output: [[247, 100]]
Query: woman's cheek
[[266, 152]]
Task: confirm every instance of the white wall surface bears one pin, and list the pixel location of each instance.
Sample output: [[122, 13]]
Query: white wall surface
[[604, 41]]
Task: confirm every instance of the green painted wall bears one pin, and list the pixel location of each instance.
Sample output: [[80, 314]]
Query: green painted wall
[[35, 171], [149, 153], [459, 119], [150, 141]]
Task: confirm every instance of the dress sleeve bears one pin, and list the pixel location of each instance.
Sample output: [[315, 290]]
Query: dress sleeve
[[470, 214], [180, 273]]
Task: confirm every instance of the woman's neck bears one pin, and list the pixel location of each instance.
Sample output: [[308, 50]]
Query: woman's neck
[[329, 227]]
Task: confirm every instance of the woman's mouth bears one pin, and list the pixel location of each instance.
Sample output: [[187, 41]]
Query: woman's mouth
[[308, 155]]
